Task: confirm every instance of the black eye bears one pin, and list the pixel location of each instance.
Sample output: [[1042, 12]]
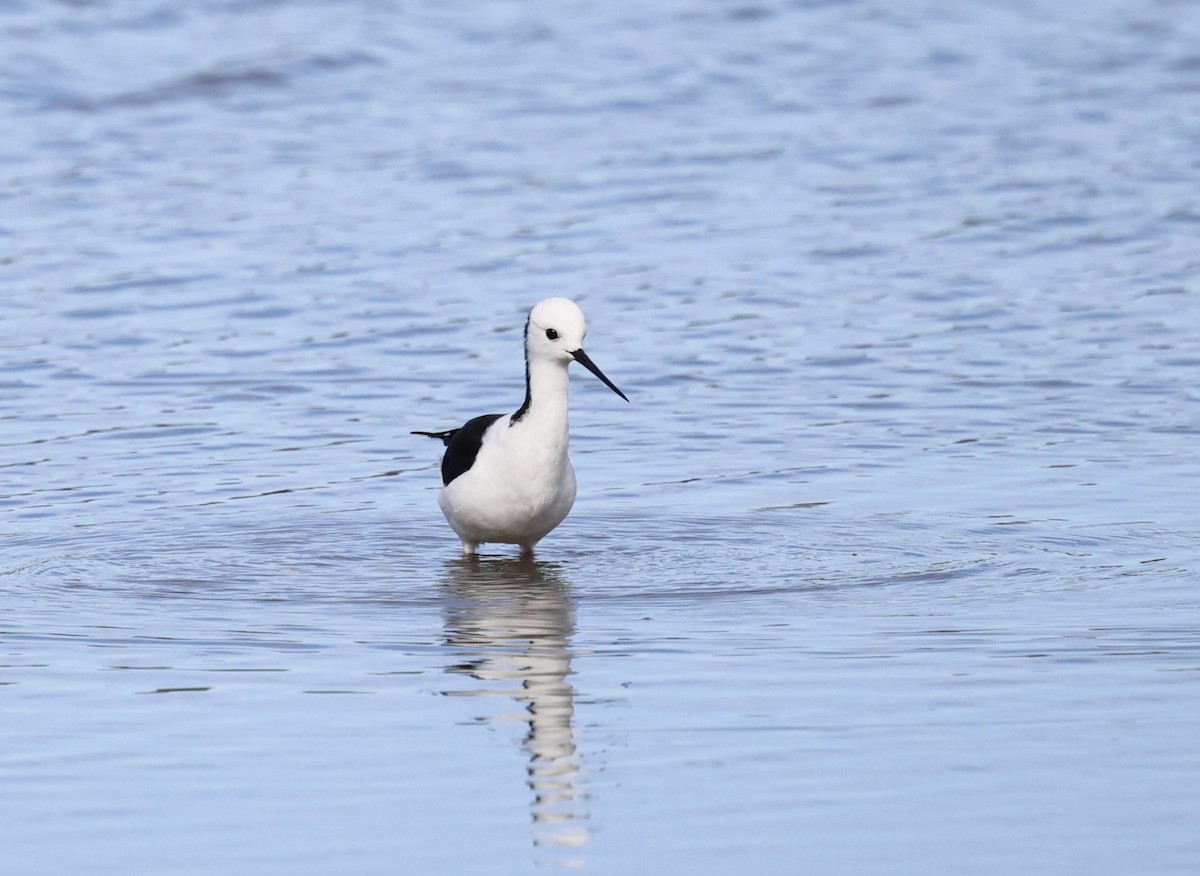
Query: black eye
[[552, 334]]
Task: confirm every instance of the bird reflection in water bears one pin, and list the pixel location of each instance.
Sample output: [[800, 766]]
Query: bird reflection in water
[[512, 620]]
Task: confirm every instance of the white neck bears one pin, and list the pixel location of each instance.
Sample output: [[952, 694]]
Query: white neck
[[549, 389], [547, 394]]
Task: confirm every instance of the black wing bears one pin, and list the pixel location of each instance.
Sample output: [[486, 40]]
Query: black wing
[[462, 445], [444, 437]]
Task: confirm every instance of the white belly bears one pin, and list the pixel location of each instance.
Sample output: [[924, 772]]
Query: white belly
[[510, 504]]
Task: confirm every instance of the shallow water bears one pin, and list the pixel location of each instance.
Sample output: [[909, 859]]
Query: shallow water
[[890, 566]]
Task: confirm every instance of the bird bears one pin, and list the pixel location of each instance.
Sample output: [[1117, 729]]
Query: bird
[[507, 478]]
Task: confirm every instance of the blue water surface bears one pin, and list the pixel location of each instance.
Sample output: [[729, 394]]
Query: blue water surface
[[890, 566]]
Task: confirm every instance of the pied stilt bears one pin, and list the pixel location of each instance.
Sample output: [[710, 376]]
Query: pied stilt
[[507, 477]]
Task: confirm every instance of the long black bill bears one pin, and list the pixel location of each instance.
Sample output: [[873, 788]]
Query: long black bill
[[583, 359]]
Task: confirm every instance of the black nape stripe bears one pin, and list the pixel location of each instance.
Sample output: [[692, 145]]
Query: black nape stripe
[[521, 411], [462, 446]]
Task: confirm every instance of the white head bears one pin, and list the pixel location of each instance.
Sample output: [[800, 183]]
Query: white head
[[555, 330], [555, 333]]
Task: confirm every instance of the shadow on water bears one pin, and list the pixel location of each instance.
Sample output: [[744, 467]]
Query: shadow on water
[[512, 621]]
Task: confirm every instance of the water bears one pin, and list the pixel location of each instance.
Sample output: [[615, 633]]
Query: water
[[889, 567]]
